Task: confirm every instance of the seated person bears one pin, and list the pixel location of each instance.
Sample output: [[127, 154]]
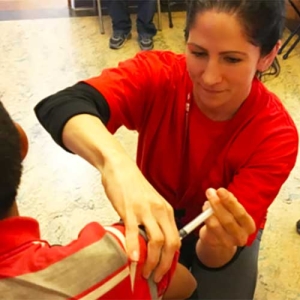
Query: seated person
[[94, 266]]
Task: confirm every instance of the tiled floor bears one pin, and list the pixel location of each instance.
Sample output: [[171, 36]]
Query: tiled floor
[[39, 57]]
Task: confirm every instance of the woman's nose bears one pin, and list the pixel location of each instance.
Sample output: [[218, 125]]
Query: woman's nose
[[212, 73]]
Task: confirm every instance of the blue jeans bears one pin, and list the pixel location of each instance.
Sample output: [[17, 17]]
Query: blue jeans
[[121, 22]]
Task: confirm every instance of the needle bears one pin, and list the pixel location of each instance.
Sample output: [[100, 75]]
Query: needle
[[188, 228]]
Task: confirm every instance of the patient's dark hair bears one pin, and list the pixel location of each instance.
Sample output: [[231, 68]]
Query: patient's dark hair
[[10, 161], [262, 20]]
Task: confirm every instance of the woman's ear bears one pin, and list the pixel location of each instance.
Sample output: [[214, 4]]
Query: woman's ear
[[266, 61]]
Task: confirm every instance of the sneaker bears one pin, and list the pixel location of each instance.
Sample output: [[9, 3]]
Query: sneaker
[[145, 42], [118, 40]]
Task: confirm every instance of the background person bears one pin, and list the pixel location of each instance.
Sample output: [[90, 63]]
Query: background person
[[121, 23]]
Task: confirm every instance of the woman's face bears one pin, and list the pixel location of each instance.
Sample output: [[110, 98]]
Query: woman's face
[[221, 62]]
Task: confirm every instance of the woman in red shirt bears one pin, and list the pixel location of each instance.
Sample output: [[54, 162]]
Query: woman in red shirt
[[209, 132]]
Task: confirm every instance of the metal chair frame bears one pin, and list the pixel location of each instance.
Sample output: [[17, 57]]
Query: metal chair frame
[[100, 15], [293, 33]]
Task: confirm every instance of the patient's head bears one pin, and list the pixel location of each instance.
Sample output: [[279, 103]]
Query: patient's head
[[10, 162]]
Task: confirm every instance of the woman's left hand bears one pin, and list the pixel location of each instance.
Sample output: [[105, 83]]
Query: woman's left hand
[[230, 225]]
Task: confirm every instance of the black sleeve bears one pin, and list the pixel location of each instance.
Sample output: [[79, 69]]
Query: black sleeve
[[54, 111]]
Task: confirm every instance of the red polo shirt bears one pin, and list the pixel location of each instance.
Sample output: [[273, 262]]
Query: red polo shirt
[[94, 266], [182, 153]]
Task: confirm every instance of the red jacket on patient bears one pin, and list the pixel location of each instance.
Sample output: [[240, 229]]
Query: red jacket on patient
[[94, 266]]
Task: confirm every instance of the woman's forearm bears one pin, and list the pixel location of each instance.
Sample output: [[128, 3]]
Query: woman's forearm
[[86, 136], [214, 256]]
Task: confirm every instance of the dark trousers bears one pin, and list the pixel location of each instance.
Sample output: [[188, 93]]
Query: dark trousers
[[235, 282], [121, 22]]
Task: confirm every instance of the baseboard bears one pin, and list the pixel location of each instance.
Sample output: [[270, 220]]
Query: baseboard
[[80, 5]]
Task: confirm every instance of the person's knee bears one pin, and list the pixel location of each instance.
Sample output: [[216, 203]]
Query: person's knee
[[182, 285]]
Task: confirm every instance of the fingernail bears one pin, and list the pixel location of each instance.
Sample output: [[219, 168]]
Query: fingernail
[[135, 256], [211, 192], [146, 275], [158, 279], [222, 192]]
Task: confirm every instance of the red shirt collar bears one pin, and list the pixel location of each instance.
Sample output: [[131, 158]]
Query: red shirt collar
[[16, 231]]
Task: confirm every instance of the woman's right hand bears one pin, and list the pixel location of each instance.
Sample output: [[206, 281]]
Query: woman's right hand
[[138, 203], [132, 196]]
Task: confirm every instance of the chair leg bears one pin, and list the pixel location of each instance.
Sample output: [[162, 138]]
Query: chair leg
[[159, 15], [170, 14], [286, 55], [288, 39], [101, 22]]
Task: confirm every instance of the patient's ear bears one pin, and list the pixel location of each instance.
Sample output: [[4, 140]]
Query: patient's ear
[[23, 140]]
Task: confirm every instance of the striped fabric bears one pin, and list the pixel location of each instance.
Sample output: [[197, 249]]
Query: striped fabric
[[94, 266]]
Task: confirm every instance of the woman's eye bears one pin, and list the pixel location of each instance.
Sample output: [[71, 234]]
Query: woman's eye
[[232, 60], [199, 54]]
